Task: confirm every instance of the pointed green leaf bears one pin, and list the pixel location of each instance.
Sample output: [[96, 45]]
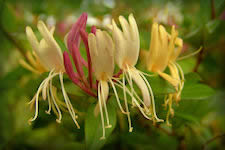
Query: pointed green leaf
[[93, 127]]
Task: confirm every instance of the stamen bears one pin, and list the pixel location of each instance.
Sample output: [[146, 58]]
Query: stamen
[[117, 97], [165, 102], [37, 96], [66, 98], [170, 79], [56, 105], [49, 102], [182, 78], [36, 102], [100, 108], [152, 99], [104, 99], [126, 105], [61, 104], [54, 109], [129, 78], [146, 74], [45, 86], [190, 55], [139, 107], [170, 109], [128, 91]]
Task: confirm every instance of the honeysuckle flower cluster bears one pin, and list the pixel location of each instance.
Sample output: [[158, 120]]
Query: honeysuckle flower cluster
[[164, 49], [104, 50]]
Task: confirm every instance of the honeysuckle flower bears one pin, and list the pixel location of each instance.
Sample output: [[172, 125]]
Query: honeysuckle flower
[[73, 43], [49, 55], [127, 45], [102, 55], [164, 50]]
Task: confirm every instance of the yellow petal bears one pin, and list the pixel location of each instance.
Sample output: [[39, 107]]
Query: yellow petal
[[32, 39], [49, 51], [168, 78], [154, 47]]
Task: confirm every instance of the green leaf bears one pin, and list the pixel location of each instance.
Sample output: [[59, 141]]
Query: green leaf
[[186, 117], [196, 91], [93, 127], [160, 86], [192, 77]]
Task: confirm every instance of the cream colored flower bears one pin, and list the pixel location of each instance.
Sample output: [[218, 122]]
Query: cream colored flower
[[102, 55], [127, 46], [49, 55]]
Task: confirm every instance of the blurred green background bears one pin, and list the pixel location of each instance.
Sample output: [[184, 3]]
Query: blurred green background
[[199, 121]]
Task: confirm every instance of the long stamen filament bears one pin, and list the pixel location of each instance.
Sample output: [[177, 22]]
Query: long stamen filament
[[117, 97], [44, 89], [135, 93], [137, 104], [104, 104], [130, 82], [69, 105], [100, 108], [182, 78], [126, 105], [190, 55], [37, 96], [49, 102], [56, 105], [152, 99]]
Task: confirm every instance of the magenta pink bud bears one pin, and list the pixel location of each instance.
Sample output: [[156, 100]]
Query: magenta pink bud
[[74, 38], [74, 35], [69, 68], [84, 36], [73, 76]]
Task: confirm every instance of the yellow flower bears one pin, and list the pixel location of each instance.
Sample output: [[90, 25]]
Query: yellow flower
[[49, 58], [164, 50], [34, 65]]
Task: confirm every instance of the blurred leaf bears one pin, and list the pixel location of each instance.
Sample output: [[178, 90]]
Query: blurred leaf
[[192, 77], [186, 117], [212, 25], [8, 20], [160, 86], [196, 91], [93, 127], [9, 80]]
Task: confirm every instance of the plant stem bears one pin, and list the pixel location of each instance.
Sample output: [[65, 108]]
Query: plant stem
[[211, 140]]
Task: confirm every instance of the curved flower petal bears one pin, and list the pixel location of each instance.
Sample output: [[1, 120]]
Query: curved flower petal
[[102, 54], [127, 42]]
